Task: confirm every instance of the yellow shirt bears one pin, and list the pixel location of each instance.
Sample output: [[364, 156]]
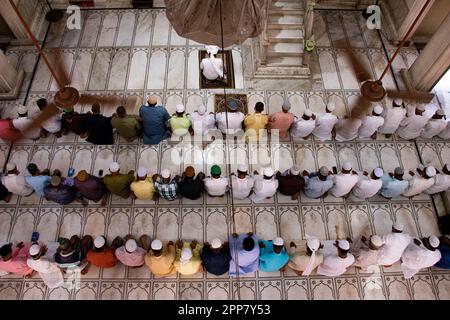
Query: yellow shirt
[[162, 265], [192, 266], [143, 189], [255, 122]]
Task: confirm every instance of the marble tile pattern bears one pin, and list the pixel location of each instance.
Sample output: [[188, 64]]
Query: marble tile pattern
[[134, 53]]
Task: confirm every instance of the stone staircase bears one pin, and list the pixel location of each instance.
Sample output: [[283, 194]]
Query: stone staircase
[[282, 42]]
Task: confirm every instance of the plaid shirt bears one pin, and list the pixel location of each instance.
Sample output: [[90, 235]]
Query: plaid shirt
[[167, 191]]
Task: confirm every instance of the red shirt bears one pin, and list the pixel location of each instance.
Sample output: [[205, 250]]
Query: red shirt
[[7, 130], [104, 259]]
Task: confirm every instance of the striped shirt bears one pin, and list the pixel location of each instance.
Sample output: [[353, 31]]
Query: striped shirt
[[167, 191]]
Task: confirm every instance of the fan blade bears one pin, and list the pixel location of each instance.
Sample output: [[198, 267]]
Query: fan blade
[[49, 111], [362, 107], [60, 69], [362, 72], [421, 97]]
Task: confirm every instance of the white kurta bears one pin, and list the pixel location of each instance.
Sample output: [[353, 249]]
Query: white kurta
[[48, 271], [394, 245], [366, 187], [235, 120], [302, 128], [22, 123], [201, 124], [441, 183], [242, 187], [212, 68], [412, 126], [392, 118], [343, 184], [333, 265], [17, 184], [366, 257], [216, 187], [445, 134], [369, 125], [53, 125], [347, 129], [417, 184], [418, 257], [263, 188], [324, 125], [433, 128]]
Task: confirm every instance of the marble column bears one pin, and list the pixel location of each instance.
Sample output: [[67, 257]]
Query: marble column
[[10, 79], [434, 60]]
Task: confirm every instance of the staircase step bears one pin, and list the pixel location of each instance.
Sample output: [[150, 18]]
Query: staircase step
[[286, 5], [279, 12], [285, 19], [286, 47], [290, 26], [271, 53], [284, 61], [296, 34]]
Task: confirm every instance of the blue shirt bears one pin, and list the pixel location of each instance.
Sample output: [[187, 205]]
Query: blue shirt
[[315, 188], [269, 261], [38, 183], [444, 263], [154, 124], [216, 263], [247, 261], [392, 187]]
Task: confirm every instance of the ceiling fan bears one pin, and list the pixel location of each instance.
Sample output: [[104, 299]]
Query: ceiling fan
[[66, 97], [373, 90]]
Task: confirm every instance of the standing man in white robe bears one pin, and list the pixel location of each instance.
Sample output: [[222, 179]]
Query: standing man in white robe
[[303, 127], [370, 124], [394, 245], [265, 185], [418, 183], [48, 270], [212, 67], [242, 184], [337, 263], [441, 181], [368, 185], [346, 129], [344, 182], [435, 125], [367, 254], [411, 127], [392, 118], [325, 123], [419, 255]]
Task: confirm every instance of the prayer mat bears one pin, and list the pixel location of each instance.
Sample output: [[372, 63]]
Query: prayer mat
[[227, 82], [241, 99]]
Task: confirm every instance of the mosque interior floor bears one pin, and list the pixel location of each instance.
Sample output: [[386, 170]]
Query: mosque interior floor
[[128, 53]]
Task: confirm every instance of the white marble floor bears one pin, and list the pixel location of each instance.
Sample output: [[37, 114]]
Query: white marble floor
[[130, 54]]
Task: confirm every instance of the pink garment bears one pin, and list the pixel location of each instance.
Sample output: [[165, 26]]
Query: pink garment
[[18, 263], [7, 130], [134, 259], [281, 121]]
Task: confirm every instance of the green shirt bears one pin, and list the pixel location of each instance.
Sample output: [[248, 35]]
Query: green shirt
[[119, 185], [128, 126], [180, 125]]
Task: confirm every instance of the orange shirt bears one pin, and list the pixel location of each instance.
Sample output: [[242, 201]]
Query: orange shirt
[[104, 259]]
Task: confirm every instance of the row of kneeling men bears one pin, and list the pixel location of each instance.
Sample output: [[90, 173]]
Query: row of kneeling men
[[243, 254], [242, 185]]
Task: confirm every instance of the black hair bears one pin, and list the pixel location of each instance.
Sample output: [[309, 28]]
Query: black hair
[[259, 106], [248, 244], [41, 103], [5, 250]]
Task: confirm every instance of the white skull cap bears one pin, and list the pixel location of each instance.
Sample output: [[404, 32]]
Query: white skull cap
[[308, 113], [165, 173], [331, 106], [216, 243], [156, 245], [295, 170], [268, 172], [398, 226], [324, 171], [212, 49], [313, 244], [430, 171], [201, 110], [378, 172], [11, 166], [22, 110], [344, 244], [180, 108], [34, 250], [378, 109], [114, 167], [286, 105], [131, 245], [142, 172], [242, 168], [398, 102], [434, 241], [421, 108], [377, 240], [99, 242], [440, 112], [347, 166], [186, 254], [278, 241]]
